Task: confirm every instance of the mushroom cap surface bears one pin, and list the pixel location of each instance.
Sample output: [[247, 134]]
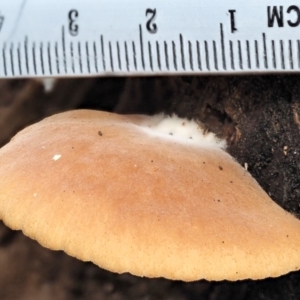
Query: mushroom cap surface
[[104, 188]]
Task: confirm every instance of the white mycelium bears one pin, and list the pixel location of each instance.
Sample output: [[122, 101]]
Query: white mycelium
[[48, 84], [182, 130]]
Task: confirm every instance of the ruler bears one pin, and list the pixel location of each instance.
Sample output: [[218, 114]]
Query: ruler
[[64, 38]]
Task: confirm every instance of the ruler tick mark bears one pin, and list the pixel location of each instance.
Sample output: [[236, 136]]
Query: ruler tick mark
[[64, 47], [256, 54], [265, 51], [158, 55], [79, 57], [240, 55], [182, 51], [87, 51], [19, 58], [142, 46], [134, 55], [206, 55], [223, 46], [231, 55], [111, 57], [298, 46], [126, 56], [274, 54], [42, 58], [119, 56], [102, 52], [174, 55], [199, 56], [95, 57], [57, 58], [49, 58], [248, 54], [26, 54], [215, 55], [4, 59], [282, 55], [72, 57], [150, 56], [191, 56], [11, 51], [166, 55], [291, 55], [34, 58]]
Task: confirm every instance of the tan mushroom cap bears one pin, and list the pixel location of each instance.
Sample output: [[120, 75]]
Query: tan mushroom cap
[[105, 189]]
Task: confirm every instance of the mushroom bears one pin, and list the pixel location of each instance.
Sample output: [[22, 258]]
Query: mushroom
[[153, 196]]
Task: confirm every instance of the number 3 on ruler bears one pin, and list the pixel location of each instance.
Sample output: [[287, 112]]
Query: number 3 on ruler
[[73, 27]]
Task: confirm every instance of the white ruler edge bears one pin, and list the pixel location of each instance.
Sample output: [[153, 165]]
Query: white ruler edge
[[66, 38]]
